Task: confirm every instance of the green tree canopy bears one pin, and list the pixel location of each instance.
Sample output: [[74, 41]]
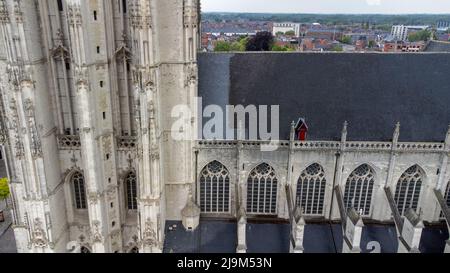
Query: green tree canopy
[[222, 46], [281, 48], [346, 40], [4, 189], [290, 33], [337, 48], [423, 35]]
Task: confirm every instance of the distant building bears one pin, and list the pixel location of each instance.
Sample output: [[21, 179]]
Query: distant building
[[401, 32], [285, 27], [442, 25], [328, 34], [404, 46]]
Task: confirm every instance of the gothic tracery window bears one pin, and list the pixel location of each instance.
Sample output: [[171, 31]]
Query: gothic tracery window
[[79, 190], [358, 190], [215, 188], [131, 191], [408, 188], [262, 189], [447, 198], [311, 190]]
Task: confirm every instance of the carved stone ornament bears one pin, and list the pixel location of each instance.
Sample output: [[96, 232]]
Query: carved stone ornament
[[4, 15], [191, 77], [149, 235], [36, 147], [96, 234], [38, 235], [93, 198]]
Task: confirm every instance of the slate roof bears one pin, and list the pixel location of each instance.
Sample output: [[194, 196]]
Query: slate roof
[[371, 91], [216, 236]]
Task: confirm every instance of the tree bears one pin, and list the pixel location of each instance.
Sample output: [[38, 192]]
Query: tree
[[262, 41], [222, 46], [282, 48], [423, 35], [371, 44], [279, 33], [346, 40], [236, 46], [290, 33], [4, 189]]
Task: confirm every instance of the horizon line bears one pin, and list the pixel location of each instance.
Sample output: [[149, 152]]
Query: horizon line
[[326, 13]]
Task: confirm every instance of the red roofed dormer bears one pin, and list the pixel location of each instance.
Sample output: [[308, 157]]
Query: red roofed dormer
[[301, 129]]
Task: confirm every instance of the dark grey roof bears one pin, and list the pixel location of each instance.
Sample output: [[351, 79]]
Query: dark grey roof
[[433, 239], [371, 91], [267, 238], [221, 237], [209, 237], [438, 46]]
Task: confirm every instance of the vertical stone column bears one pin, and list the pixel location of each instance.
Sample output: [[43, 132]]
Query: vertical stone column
[[89, 143], [334, 213], [241, 190], [242, 232], [151, 218], [30, 130], [289, 182], [381, 211]]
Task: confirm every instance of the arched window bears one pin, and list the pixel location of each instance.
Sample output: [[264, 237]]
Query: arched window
[[408, 189], [134, 250], [215, 188], [131, 188], [79, 190], [262, 187], [84, 249], [311, 190], [358, 190]]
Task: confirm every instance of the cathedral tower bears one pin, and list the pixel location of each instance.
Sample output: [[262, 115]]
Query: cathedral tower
[[87, 120]]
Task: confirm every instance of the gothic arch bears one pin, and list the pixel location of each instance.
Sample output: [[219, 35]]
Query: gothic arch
[[130, 184], [214, 182], [311, 190], [359, 189], [409, 185], [78, 188], [262, 190]]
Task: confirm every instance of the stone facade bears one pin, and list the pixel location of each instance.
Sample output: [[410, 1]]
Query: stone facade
[[81, 87]]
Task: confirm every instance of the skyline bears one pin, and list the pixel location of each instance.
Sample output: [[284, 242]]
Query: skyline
[[390, 7]]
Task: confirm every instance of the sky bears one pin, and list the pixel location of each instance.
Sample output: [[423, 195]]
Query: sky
[[328, 6]]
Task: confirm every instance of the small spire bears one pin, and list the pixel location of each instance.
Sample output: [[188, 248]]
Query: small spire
[[292, 136], [344, 131], [396, 133]]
